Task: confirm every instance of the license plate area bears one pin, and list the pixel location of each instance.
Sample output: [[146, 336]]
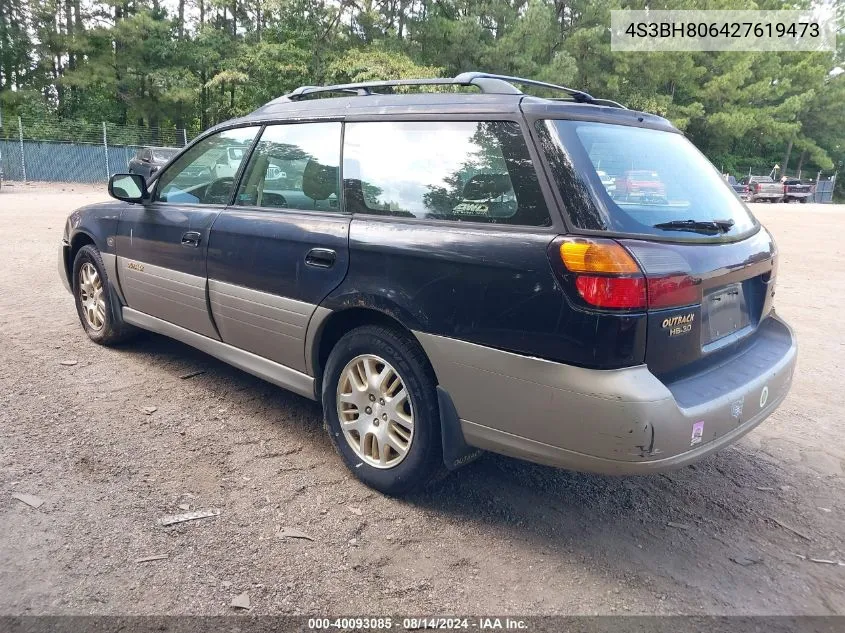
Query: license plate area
[[725, 313]]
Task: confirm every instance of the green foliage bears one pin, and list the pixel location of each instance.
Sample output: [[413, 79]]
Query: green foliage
[[192, 64], [372, 64]]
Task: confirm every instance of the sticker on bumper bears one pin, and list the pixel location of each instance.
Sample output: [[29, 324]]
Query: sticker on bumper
[[764, 396], [697, 433], [736, 408]]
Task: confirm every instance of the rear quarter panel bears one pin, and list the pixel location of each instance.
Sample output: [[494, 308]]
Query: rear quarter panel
[[489, 285]]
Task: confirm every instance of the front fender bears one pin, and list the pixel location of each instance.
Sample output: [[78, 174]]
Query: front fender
[[93, 224], [97, 222]]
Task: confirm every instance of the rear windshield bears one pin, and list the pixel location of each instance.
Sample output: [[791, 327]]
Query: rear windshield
[[628, 179]]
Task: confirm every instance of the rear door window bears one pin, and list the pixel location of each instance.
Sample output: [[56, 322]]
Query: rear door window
[[630, 180], [477, 171]]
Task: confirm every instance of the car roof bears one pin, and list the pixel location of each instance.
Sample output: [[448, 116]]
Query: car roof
[[497, 95], [422, 105], [411, 102]]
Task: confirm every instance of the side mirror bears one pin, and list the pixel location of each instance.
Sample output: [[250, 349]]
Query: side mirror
[[128, 187]]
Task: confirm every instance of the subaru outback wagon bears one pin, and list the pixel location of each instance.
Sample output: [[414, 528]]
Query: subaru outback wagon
[[450, 272]]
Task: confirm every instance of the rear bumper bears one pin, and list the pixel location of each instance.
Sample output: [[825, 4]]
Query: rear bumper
[[622, 421]]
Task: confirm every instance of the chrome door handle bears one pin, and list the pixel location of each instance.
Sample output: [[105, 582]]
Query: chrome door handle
[[321, 257], [191, 238]]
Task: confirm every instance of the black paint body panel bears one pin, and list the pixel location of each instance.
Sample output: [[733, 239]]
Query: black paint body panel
[[266, 250], [750, 262], [480, 284], [152, 233], [97, 221], [491, 285]]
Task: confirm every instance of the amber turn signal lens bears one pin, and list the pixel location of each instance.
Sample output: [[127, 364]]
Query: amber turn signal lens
[[597, 256]]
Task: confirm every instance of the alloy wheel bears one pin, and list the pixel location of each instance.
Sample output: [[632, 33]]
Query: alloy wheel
[[91, 296], [375, 412]]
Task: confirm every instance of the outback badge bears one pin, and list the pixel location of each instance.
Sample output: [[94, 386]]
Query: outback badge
[[678, 325]]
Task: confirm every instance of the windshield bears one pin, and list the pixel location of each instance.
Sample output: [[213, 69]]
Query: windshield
[[628, 180]]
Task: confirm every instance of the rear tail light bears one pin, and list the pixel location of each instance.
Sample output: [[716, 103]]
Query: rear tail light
[[597, 256], [606, 275], [673, 290], [612, 292]]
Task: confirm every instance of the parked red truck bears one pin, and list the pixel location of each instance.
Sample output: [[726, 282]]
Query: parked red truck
[[641, 185]]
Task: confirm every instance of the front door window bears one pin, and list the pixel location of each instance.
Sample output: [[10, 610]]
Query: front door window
[[205, 174]]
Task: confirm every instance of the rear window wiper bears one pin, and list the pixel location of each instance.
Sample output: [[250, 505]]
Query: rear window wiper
[[701, 226]]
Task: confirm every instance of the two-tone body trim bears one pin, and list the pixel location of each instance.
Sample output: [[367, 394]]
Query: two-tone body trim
[[263, 323], [171, 295], [254, 364], [110, 262], [620, 421], [64, 250]]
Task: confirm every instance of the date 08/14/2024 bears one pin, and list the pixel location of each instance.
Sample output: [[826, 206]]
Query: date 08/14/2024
[[413, 623]]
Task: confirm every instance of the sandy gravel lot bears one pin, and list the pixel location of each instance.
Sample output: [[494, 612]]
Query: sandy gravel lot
[[500, 536]]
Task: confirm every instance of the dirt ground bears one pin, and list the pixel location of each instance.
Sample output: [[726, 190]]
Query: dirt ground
[[498, 537]]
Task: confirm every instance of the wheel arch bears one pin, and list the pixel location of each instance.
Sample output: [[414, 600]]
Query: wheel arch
[[80, 238], [334, 324]]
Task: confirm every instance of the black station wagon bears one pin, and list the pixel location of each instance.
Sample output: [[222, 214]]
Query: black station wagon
[[565, 281]]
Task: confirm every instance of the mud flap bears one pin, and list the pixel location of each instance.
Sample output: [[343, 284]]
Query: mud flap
[[456, 452]]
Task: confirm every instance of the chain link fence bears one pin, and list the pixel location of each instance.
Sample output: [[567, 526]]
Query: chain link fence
[[75, 151]]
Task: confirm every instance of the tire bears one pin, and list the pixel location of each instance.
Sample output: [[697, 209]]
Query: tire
[[107, 316], [422, 461]]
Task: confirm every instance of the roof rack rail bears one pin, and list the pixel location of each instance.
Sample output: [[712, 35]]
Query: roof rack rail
[[478, 79], [365, 88], [486, 82], [596, 101]]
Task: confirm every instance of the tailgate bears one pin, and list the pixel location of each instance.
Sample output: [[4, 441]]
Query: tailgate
[[736, 283], [770, 187], [798, 189]]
